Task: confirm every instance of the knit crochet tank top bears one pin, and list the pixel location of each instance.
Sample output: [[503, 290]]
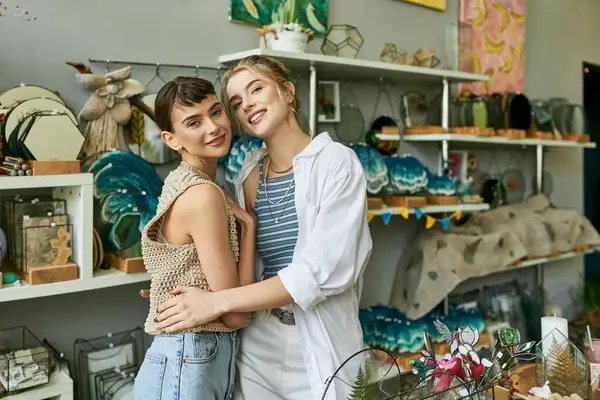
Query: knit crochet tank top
[[171, 266]]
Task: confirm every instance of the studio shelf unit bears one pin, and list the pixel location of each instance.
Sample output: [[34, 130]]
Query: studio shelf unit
[[322, 67], [77, 191], [466, 208]]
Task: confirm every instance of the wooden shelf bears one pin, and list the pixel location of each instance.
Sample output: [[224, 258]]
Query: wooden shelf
[[355, 69], [492, 141], [101, 279], [467, 208]]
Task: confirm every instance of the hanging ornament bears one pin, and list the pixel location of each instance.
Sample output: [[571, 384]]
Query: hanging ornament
[[107, 108]]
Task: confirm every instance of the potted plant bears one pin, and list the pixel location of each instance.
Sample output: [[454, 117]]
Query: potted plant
[[285, 33]]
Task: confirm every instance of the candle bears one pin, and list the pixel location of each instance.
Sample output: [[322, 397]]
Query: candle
[[553, 328]]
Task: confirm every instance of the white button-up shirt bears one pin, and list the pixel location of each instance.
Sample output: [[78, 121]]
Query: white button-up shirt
[[333, 248]]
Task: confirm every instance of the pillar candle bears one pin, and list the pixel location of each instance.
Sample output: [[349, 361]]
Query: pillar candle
[[553, 327]]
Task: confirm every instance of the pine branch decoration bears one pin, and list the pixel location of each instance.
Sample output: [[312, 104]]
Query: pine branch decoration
[[565, 377], [363, 388], [136, 124]]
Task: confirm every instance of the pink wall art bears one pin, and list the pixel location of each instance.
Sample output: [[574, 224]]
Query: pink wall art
[[491, 42]]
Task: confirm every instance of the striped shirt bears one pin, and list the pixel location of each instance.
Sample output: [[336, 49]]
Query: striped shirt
[[277, 222]]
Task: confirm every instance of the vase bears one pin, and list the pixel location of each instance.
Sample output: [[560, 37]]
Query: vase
[[287, 41]]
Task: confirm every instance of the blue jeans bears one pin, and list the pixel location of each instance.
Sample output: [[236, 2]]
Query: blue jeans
[[188, 366]]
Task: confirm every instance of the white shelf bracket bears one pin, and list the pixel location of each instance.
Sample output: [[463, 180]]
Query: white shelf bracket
[[312, 101], [539, 167]]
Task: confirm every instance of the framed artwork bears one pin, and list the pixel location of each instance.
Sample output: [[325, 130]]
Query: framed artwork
[[328, 94], [439, 5], [492, 42], [312, 14]]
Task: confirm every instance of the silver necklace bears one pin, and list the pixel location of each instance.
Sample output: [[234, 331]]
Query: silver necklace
[[265, 175]]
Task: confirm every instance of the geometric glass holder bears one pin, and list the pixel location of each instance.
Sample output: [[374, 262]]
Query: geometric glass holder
[[342, 41], [47, 243], [24, 361], [562, 365]]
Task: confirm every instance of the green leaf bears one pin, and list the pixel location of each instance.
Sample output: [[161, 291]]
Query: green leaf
[[363, 388], [470, 251], [550, 230]]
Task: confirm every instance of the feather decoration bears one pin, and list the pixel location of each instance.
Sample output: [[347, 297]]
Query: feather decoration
[[444, 331]]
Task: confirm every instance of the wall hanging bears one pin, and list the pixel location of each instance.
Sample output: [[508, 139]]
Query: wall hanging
[[109, 106], [491, 42], [312, 14]]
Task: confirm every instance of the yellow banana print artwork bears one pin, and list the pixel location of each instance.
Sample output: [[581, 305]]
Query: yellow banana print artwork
[[493, 47], [251, 8], [476, 64], [311, 14], [313, 20], [492, 37], [504, 13], [520, 19], [510, 58], [482, 13]]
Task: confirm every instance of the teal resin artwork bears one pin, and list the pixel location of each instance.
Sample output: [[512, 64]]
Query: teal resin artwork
[[440, 185], [406, 175], [374, 165], [237, 155], [126, 192], [312, 14], [388, 329]]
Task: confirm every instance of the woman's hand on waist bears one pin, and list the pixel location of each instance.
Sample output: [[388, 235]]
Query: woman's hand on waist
[[190, 307]]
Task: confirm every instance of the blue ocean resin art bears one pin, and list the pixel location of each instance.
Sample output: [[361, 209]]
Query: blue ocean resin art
[[126, 191], [440, 185], [387, 328], [406, 175], [375, 169], [237, 155]]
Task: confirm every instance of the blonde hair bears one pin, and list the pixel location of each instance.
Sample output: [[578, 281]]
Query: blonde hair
[[268, 68]]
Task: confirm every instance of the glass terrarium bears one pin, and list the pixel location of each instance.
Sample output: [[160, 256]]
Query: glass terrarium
[[562, 365], [24, 361]]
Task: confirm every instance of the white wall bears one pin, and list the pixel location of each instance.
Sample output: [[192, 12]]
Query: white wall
[[140, 30]]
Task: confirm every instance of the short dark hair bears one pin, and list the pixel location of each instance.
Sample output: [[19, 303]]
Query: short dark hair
[[184, 91]]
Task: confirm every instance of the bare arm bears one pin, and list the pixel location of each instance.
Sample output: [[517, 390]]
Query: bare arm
[[201, 207]]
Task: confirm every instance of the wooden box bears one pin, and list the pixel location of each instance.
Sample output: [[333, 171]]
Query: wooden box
[[132, 265], [54, 167], [405, 201], [442, 200], [51, 274]]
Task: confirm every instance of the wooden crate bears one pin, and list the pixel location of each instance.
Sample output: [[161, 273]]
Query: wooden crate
[[442, 200], [51, 274], [132, 265], [54, 167], [405, 201]]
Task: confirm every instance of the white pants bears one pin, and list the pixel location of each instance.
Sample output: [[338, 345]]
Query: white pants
[[270, 364]]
